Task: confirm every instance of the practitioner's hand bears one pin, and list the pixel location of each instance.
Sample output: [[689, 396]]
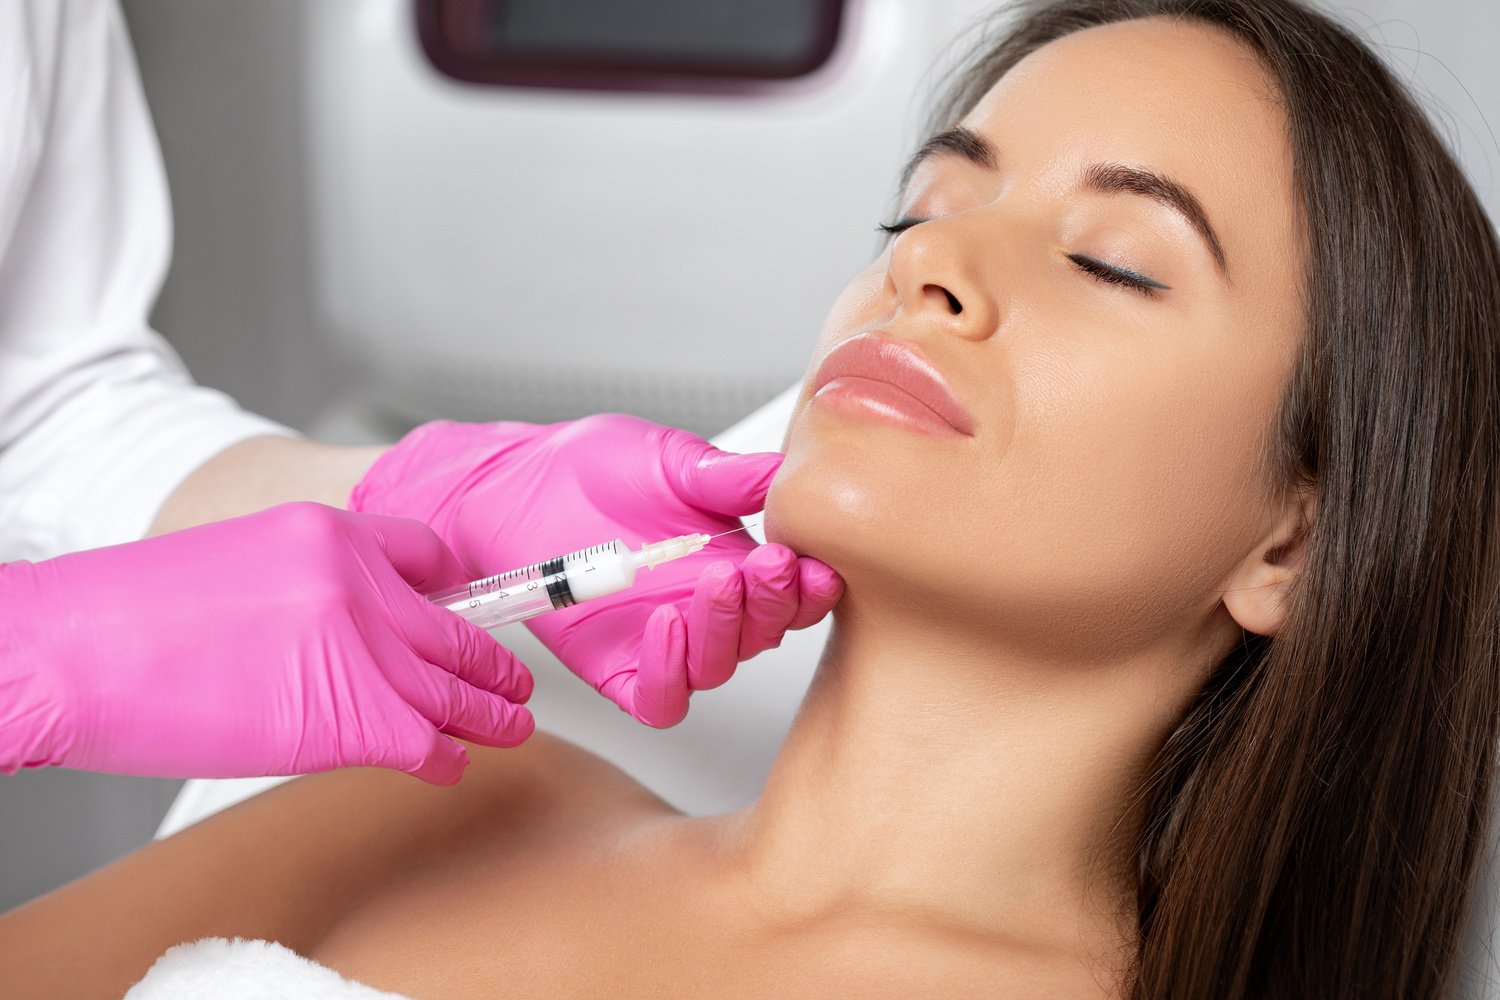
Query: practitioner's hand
[[509, 494], [284, 642]]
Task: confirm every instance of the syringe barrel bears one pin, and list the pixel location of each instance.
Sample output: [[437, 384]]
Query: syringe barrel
[[541, 587]]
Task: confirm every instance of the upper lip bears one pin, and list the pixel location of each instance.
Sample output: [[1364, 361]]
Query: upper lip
[[902, 364]]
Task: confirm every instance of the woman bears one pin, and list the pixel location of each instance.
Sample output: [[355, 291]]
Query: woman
[[1158, 454]]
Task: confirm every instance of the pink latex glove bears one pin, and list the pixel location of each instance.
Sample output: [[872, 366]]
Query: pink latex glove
[[508, 494], [284, 642]]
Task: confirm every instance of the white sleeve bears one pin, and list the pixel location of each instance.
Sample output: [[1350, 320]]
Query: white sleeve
[[99, 420]]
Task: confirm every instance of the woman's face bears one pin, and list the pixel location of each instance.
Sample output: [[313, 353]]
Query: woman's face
[[1108, 282]]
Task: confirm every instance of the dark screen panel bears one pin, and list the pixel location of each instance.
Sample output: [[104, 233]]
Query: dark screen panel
[[615, 44], [766, 31]]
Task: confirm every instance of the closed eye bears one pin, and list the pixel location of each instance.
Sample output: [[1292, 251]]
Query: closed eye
[[1098, 269], [900, 226], [1110, 274]]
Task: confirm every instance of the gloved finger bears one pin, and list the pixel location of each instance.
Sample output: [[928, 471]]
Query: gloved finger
[[714, 481], [771, 600], [655, 691], [713, 626], [441, 761], [819, 589], [470, 713], [416, 552], [465, 650]]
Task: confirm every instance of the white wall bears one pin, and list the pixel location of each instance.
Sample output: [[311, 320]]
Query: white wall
[[1448, 52], [226, 83]]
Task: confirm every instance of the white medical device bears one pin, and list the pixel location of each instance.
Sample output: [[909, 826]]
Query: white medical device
[[552, 584], [496, 252]]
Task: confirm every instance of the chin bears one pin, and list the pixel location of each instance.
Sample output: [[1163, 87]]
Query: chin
[[849, 496]]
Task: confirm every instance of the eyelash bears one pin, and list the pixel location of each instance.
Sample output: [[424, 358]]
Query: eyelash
[[900, 226], [1096, 269], [1112, 275]]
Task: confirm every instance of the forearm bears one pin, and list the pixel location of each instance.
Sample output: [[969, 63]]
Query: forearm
[[262, 472]]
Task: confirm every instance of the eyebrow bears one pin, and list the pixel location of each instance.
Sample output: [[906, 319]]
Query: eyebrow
[[1105, 178], [964, 142], [1116, 178]]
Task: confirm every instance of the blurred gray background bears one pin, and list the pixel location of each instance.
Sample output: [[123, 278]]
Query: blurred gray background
[[357, 249]]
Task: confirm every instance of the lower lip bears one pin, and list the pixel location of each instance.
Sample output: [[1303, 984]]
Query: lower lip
[[868, 397]]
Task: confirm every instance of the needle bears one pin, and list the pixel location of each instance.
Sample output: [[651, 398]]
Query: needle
[[731, 531]]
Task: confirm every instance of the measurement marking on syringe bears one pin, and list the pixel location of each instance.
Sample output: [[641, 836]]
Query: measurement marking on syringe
[[549, 584]]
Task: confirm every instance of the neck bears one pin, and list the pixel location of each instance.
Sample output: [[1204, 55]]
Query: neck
[[935, 772]]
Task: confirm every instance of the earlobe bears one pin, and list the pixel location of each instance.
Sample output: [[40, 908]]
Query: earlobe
[[1257, 594]]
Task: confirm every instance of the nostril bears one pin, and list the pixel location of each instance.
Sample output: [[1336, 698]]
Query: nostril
[[954, 306]]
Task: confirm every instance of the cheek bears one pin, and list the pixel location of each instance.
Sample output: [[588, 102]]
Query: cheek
[[1145, 471]]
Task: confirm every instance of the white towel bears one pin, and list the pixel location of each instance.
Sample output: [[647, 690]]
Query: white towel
[[220, 969]]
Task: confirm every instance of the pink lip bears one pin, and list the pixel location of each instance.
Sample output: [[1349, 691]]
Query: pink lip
[[893, 378]]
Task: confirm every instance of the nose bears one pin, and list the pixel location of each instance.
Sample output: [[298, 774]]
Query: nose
[[930, 279]]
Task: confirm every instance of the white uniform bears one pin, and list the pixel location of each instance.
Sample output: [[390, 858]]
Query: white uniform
[[99, 420]]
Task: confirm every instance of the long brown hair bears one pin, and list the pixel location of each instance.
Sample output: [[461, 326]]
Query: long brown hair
[[1316, 820]]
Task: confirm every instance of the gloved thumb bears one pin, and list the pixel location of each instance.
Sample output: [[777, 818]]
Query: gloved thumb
[[443, 762], [719, 482]]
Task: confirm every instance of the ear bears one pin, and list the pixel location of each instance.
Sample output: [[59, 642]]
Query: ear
[[1256, 593]]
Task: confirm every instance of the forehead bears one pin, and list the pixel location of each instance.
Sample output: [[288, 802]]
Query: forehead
[[1181, 98]]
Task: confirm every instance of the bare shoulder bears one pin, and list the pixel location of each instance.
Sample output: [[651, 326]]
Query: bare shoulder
[[542, 793], [298, 860], [496, 858], [548, 775]]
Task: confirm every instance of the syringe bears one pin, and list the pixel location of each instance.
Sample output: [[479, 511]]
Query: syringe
[[562, 582]]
